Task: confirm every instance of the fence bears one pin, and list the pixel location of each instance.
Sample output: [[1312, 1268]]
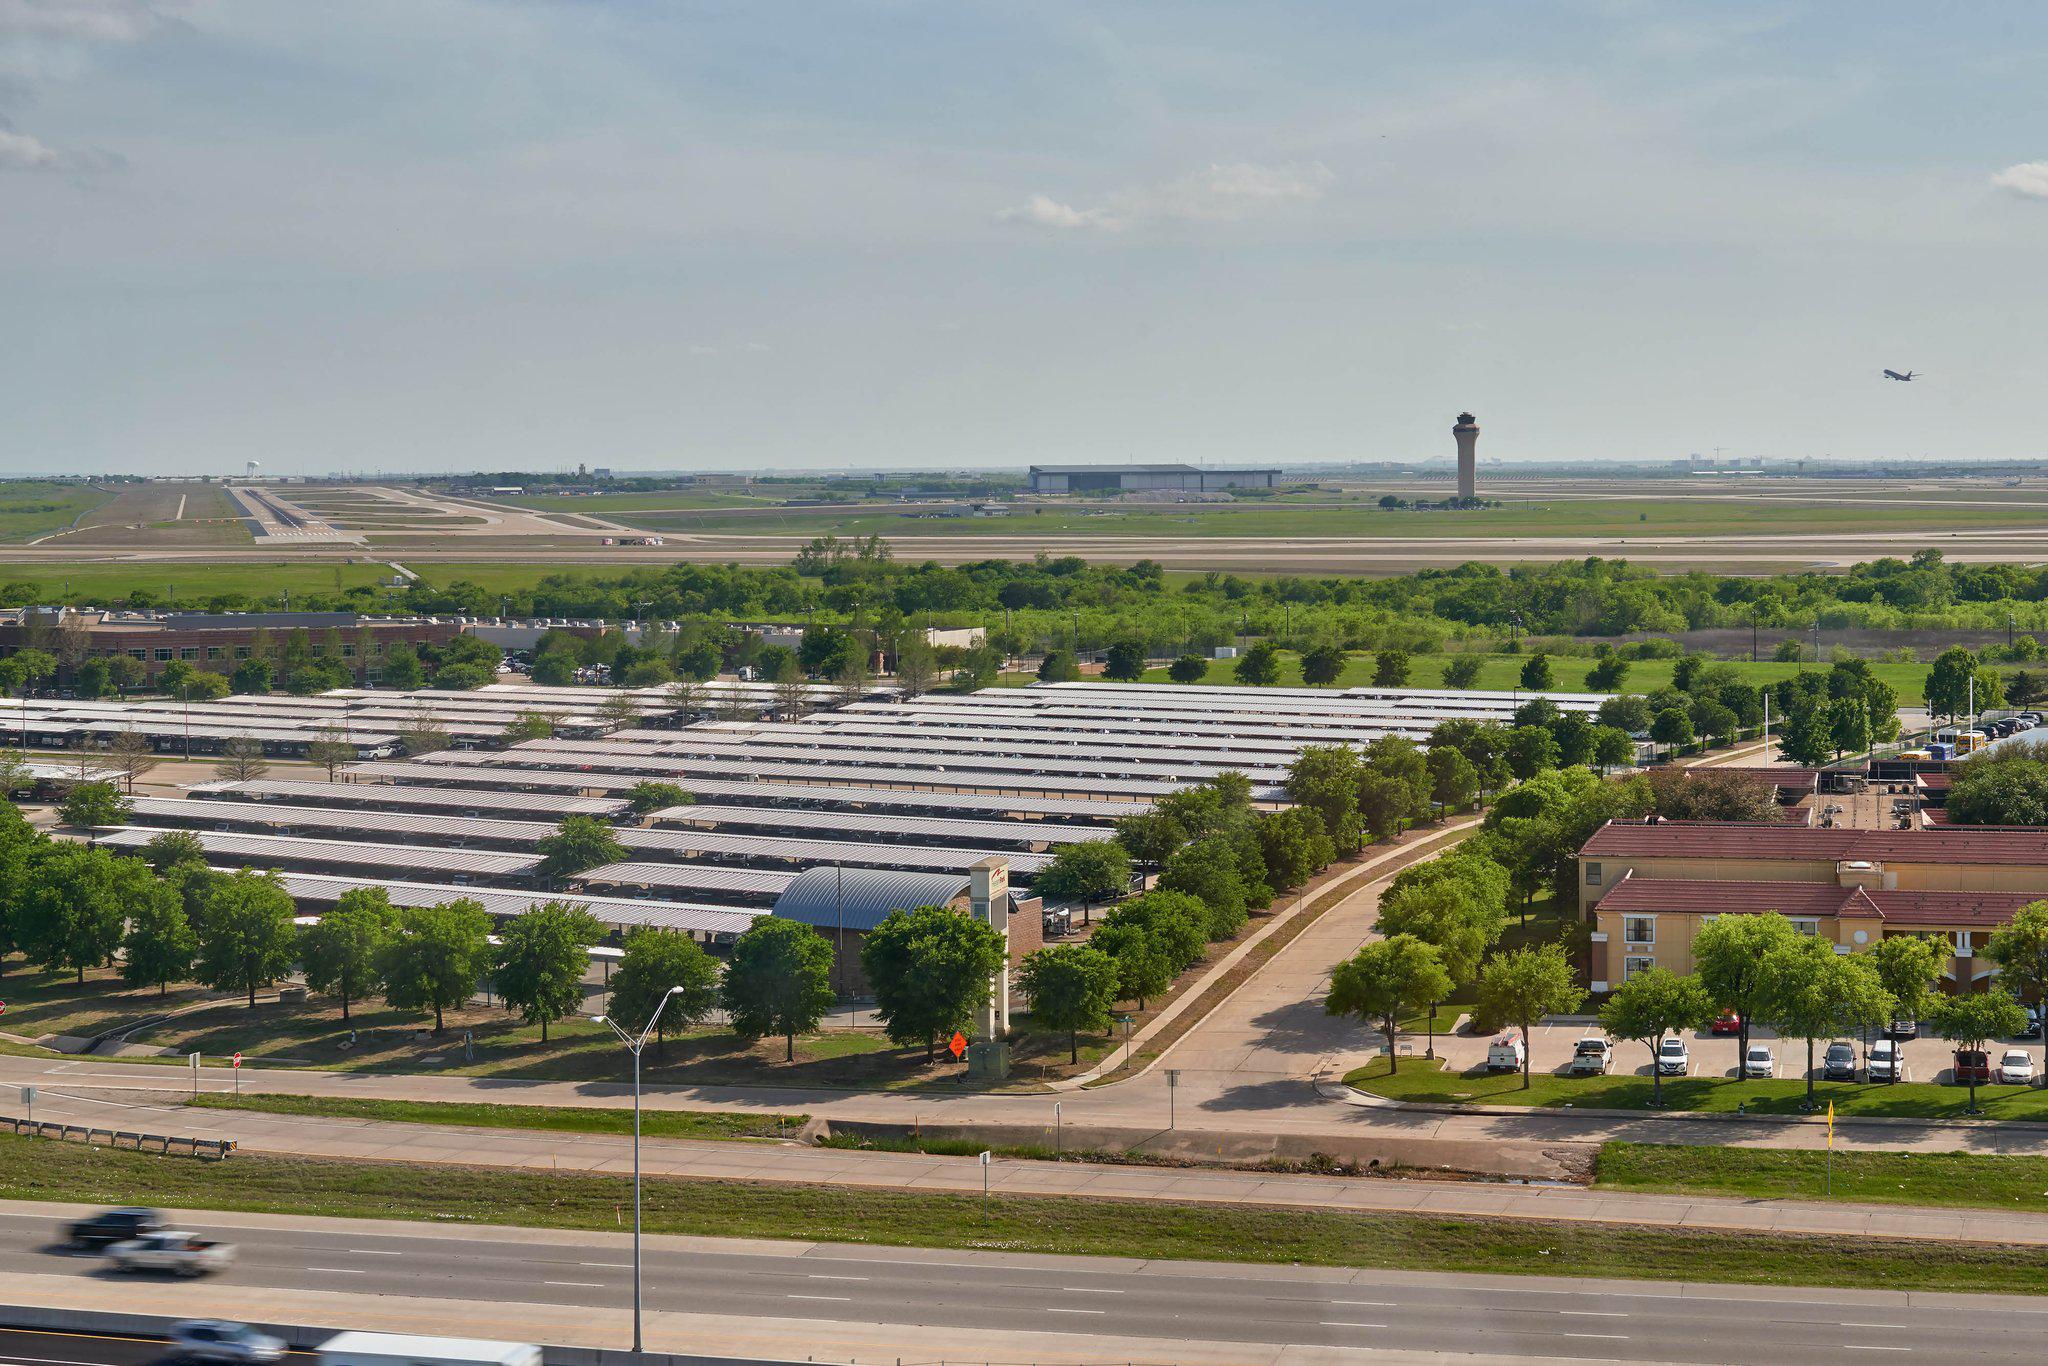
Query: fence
[[208, 1149]]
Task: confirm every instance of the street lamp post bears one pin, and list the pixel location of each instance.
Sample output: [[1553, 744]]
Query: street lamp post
[[634, 1046]]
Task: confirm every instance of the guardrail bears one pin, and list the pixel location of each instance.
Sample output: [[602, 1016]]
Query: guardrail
[[207, 1149]]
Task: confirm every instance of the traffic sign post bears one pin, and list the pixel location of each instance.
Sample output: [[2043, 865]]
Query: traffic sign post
[[1055, 1128], [28, 1098], [194, 1060], [238, 1076], [1172, 1085], [957, 1045], [984, 1185]]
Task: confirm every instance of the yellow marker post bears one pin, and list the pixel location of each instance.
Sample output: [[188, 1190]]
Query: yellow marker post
[[1831, 1149]]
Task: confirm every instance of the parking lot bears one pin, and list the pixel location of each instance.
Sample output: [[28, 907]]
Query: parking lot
[[1927, 1057]]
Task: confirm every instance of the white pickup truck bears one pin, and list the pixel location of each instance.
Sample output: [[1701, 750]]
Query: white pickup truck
[[188, 1254]]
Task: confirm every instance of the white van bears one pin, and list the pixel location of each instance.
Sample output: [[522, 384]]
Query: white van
[[1504, 1054], [403, 1349]]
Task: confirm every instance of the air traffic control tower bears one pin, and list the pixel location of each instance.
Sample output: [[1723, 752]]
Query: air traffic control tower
[[1467, 432]]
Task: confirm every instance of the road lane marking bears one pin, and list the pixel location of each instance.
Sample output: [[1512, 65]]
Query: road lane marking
[[841, 1299], [1611, 1337], [609, 1266], [1368, 1304], [1088, 1290], [580, 1285], [1328, 1324], [1861, 1347], [821, 1276], [1891, 1327], [1056, 1310], [1594, 1313], [375, 1252], [339, 1270]]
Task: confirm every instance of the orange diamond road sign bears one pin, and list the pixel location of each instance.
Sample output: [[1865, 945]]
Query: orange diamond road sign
[[958, 1045]]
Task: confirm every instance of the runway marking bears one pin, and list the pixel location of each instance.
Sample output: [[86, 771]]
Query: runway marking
[[1894, 1327], [1366, 1304], [1611, 1337]]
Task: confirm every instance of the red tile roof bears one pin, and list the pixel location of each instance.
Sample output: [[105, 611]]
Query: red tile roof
[[1783, 776], [1961, 844], [1902, 910]]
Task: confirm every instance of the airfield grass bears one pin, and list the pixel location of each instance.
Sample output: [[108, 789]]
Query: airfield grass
[[33, 1169], [1503, 672], [260, 581], [33, 507]]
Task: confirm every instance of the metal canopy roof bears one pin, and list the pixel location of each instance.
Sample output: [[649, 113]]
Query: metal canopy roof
[[879, 823], [709, 878], [390, 795], [624, 911], [340, 853], [861, 898]]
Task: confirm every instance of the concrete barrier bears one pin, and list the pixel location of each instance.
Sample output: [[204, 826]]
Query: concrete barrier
[[207, 1149]]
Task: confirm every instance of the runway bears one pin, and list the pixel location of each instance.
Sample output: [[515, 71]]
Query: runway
[[936, 1296]]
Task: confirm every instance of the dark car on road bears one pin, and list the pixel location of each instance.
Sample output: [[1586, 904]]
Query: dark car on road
[[113, 1226], [1839, 1062]]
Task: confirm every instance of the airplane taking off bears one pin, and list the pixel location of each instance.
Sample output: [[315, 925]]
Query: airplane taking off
[[1893, 374]]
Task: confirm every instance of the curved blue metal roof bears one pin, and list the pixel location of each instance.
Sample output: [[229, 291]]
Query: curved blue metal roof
[[861, 898]]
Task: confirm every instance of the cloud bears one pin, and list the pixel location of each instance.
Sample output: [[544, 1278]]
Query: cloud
[[1041, 211], [91, 21], [20, 152], [2029, 178], [1223, 191]]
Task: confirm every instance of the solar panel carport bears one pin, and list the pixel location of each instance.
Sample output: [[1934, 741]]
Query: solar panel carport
[[395, 797], [620, 913], [339, 856]]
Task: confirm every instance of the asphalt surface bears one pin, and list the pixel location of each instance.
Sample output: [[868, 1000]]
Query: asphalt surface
[[1164, 1301], [29, 1347]]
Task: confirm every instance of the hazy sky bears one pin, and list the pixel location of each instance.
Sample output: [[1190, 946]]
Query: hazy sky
[[431, 234]]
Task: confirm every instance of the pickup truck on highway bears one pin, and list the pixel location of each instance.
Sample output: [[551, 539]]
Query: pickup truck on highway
[[188, 1254]]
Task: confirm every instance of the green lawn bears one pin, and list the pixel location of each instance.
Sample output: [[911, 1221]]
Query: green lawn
[[262, 581], [555, 1118], [1504, 672], [1423, 1082], [1971, 1180], [32, 1169]]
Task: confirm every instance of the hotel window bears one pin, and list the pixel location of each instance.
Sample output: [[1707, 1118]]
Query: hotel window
[[1805, 925], [1639, 929], [1632, 965], [348, 652], [241, 652], [189, 652], [138, 654], [213, 652], [1592, 875], [163, 654]]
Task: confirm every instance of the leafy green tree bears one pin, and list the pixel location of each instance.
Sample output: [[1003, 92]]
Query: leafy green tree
[[654, 961], [551, 669], [159, 946], [1811, 991], [1530, 750], [1628, 713], [330, 748], [1188, 669], [1390, 669], [1177, 922], [542, 956], [1453, 782], [1848, 726], [1655, 1003], [340, 951], [653, 795], [527, 725], [1151, 837], [1446, 914], [1087, 872], [579, 844], [1729, 953], [1070, 987], [1574, 736], [1059, 666], [1608, 674], [1260, 665], [1524, 985], [1907, 966], [1612, 748], [778, 982], [1325, 779], [1209, 871], [931, 970], [91, 806], [436, 957], [1125, 662], [1537, 675], [72, 904], [247, 938], [1143, 962], [1972, 1019], [1293, 846], [2020, 948], [1384, 981], [1322, 665], [1949, 684], [1462, 671], [916, 667], [1672, 729]]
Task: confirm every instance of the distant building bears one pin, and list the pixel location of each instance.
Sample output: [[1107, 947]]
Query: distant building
[[1466, 432], [214, 641], [1132, 478]]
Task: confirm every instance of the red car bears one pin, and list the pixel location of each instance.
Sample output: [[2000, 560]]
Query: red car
[[1727, 1022], [1972, 1064]]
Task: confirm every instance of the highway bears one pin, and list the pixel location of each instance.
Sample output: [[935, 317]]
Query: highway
[[1164, 1302]]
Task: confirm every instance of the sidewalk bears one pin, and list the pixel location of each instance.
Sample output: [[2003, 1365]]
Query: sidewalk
[[373, 1140]]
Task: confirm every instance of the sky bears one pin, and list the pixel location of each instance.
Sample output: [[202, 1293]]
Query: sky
[[418, 235]]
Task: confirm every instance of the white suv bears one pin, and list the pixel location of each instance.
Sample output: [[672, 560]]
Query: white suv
[[1672, 1059]]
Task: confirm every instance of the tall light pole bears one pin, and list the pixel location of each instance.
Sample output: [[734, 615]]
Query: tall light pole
[[633, 1046]]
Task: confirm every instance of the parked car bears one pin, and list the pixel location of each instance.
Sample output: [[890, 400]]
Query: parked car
[[1592, 1057], [1902, 1029], [1727, 1022], [216, 1340], [112, 1226], [1504, 1054], [1971, 1064], [1672, 1059], [1758, 1062], [187, 1254], [1839, 1062], [1885, 1062], [2016, 1068]]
